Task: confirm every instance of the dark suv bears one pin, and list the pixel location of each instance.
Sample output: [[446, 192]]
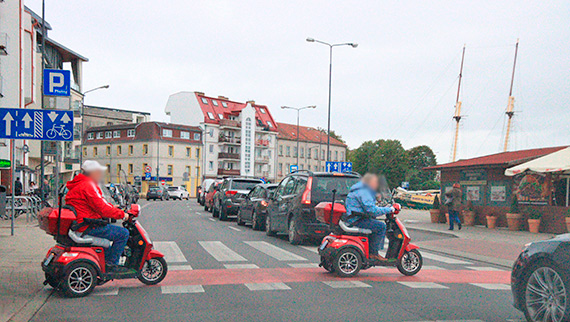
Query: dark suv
[[232, 192], [291, 209]]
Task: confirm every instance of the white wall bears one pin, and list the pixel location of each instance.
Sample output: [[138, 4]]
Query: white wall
[[183, 108], [247, 163]]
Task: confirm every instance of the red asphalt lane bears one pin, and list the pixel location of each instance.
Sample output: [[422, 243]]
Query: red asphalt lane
[[299, 275]]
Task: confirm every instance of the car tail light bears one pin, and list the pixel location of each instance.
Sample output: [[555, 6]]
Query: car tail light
[[306, 197], [264, 203], [231, 193]]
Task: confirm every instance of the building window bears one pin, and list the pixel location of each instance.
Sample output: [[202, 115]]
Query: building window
[[145, 149], [131, 149], [336, 155], [214, 102], [169, 170], [211, 115], [224, 104], [288, 151], [99, 135], [294, 152], [108, 150], [95, 152], [84, 152], [131, 133], [171, 150], [188, 173], [280, 168], [197, 171], [221, 116], [269, 124], [262, 110], [197, 153], [119, 168], [302, 152], [108, 135], [196, 136], [322, 154], [287, 167], [211, 165], [130, 168], [281, 150], [188, 152], [211, 133], [144, 166], [211, 147], [119, 150], [116, 134], [90, 136], [185, 135], [204, 100], [341, 155], [167, 133], [309, 167], [308, 153]]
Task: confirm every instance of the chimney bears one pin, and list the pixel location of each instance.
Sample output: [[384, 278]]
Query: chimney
[[223, 97], [252, 102], [199, 93]]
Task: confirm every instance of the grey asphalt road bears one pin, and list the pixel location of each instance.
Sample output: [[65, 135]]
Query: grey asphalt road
[[223, 272]]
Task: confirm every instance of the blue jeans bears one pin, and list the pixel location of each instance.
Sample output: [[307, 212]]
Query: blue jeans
[[454, 217], [118, 235], [376, 239]]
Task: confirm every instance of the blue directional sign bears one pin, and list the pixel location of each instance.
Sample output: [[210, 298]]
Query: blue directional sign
[[338, 166], [47, 125], [57, 82], [293, 168], [147, 176]]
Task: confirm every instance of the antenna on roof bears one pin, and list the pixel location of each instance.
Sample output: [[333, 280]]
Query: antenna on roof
[[457, 116], [510, 112]]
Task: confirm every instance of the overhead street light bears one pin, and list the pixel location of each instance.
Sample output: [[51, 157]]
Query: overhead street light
[[82, 120], [298, 109], [351, 44]]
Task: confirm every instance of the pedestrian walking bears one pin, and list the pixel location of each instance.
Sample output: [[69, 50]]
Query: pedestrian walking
[[18, 187], [454, 204]]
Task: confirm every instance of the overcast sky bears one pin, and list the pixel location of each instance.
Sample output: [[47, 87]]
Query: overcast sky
[[400, 83]]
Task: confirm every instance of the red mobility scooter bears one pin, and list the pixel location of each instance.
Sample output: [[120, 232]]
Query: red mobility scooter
[[345, 250], [76, 264]]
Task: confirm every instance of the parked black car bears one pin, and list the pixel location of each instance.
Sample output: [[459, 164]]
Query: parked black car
[[157, 193], [231, 193], [291, 209], [254, 208], [540, 280]]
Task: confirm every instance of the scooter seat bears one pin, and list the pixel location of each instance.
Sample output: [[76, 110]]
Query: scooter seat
[[354, 230], [87, 240]]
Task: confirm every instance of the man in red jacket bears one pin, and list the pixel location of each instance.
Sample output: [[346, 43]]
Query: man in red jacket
[[85, 196]]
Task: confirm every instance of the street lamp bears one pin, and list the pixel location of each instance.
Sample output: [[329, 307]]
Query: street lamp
[[298, 109], [82, 120], [351, 44]]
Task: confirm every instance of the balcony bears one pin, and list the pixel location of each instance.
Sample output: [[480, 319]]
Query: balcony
[[225, 172], [229, 123], [226, 140], [226, 155], [263, 160], [262, 143]]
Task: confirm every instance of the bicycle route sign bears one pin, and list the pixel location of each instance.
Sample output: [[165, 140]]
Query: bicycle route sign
[[47, 125]]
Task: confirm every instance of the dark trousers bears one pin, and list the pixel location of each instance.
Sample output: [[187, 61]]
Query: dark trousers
[[454, 217], [118, 235]]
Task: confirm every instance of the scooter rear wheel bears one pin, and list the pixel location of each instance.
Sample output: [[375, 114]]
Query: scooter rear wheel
[[410, 263], [347, 262], [154, 271], [79, 280]]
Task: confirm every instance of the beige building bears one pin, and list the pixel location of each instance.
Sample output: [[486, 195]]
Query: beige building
[[172, 153], [312, 149]]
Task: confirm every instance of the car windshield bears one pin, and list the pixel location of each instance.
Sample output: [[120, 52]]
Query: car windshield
[[244, 184], [324, 185], [172, 188], [154, 189]]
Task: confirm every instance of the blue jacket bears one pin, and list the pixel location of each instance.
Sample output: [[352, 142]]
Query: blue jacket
[[362, 199]]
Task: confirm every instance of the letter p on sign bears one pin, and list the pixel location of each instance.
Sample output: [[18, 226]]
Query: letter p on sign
[[57, 82]]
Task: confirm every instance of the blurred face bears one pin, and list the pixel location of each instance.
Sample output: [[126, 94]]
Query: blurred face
[[96, 175], [373, 183]]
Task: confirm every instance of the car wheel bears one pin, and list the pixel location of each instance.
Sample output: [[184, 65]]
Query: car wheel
[[79, 280], [223, 213], [545, 296], [205, 207], [294, 237], [347, 262], [239, 221], [410, 263], [52, 281], [215, 211], [268, 230], [256, 223]]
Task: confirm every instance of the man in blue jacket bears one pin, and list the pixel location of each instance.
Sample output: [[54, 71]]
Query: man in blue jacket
[[362, 212]]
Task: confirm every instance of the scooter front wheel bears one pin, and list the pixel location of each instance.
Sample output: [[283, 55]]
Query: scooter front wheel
[[154, 271], [410, 263], [347, 262]]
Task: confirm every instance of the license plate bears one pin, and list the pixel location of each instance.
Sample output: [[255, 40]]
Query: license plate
[[324, 245], [48, 260]]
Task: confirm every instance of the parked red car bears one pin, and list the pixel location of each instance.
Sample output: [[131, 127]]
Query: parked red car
[[209, 199]]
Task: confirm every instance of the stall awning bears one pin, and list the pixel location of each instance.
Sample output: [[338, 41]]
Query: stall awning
[[554, 162]]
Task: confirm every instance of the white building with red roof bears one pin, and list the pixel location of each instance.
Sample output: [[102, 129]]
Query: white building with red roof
[[240, 139]]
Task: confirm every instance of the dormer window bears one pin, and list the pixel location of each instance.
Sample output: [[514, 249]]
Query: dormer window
[[211, 115], [204, 100], [224, 104], [221, 116], [262, 110], [214, 102], [269, 124]]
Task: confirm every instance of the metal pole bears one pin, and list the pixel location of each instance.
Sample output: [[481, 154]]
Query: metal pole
[[81, 129], [567, 191], [158, 153], [298, 110], [12, 146], [329, 114], [42, 156]]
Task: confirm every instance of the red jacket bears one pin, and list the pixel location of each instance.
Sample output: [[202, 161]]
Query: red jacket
[[85, 196]]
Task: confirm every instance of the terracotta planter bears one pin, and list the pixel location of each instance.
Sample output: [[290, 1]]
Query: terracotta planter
[[491, 222], [434, 215], [533, 225], [568, 224], [469, 218], [514, 221]]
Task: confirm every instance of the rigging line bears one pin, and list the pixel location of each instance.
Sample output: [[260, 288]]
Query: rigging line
[[491, 131]]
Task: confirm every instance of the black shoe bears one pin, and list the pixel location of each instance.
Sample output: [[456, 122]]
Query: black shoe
[[450, 228], [459, 226], [112, 268]]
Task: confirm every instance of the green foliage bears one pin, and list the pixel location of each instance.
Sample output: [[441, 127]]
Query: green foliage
[[515, 205], [333, 134], [436, 203], [533, 213], [430, 185], [568, 212]]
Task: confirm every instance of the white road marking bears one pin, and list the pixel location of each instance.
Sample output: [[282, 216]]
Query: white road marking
[[493, 287], [211, 219], [221, 252], [423, 285], [171, 251], [303, 265], [179, 289], [442, 259], [240, 266], [346, 284], [266, 286], [233, 228], [485, 269], [312, 249], [106, 291], [452, 321], [274, 251], [179, 268]]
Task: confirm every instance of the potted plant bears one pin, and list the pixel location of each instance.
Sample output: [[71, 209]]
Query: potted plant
[[469, 215], [434, 211], [491, 221], [514, 218], [568, 220], [534, 216]]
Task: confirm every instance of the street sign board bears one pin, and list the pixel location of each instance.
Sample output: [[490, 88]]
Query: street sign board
[[57, 82], [46, 125], [5, 163], [338, 166], [293, 168], [147, 176], [147, 169]]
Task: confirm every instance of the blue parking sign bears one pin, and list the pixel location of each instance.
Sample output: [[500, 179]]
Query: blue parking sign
[[57, 82], [147, 176], [293, 168]]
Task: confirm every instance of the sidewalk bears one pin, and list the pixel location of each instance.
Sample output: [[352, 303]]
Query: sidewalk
[[21, 278], [495, 246]]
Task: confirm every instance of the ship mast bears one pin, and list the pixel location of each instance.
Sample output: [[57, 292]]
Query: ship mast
[[510, 112], [457, 115]]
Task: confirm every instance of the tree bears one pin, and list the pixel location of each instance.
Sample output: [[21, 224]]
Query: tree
[[419, 158], [333, 134]]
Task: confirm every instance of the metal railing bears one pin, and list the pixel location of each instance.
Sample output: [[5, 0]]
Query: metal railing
[[29, 205]]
